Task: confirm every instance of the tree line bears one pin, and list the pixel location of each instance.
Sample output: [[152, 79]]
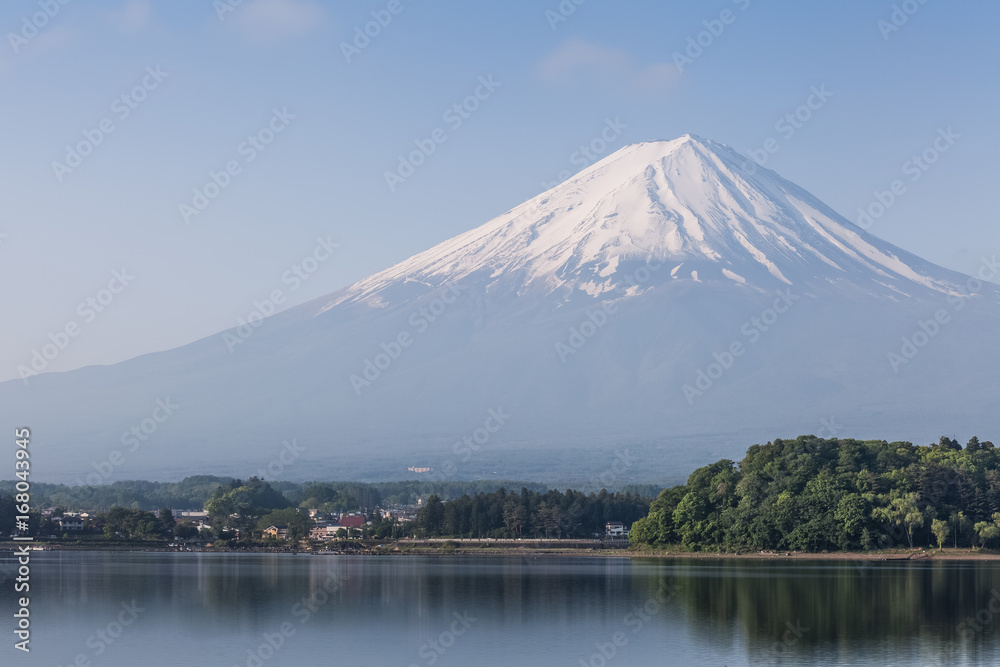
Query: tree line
[[503, 514], [246, 508], [193, 492], [814, 494]]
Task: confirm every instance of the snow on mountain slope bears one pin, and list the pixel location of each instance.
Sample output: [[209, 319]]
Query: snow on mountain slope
[[689, 201], [601, 314]]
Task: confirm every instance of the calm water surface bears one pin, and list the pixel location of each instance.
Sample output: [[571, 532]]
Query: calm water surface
[[268, 609]]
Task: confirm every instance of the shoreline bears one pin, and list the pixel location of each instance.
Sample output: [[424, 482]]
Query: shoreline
[[908, 555], [915, 555]]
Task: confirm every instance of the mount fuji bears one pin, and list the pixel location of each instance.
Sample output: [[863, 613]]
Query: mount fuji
[[667, 306]]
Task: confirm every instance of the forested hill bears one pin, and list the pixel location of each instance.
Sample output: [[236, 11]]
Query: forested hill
[[194, 492], [812, 494]]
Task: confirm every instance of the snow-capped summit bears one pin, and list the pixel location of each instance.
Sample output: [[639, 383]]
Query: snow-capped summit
[[694, 203], [673, 299]]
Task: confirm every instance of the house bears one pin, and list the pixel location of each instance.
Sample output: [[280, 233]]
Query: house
[[353, 521], [615, 529], [399, 514], [324, 531], [68, 523], [277, 532]]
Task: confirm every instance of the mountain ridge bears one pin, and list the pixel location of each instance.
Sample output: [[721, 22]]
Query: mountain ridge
[[579, 241], [665, 253]]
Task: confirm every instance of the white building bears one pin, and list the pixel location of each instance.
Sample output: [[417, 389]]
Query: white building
[[68, 523], [615, 529]]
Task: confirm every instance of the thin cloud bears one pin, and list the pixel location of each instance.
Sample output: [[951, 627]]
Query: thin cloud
[[52, 39], [133, 18], [579, 60], [273, 21]]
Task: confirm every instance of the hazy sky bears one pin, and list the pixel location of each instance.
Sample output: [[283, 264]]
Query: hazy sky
[[207, 85]]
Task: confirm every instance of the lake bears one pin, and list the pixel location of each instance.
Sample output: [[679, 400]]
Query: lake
[[148, 609]]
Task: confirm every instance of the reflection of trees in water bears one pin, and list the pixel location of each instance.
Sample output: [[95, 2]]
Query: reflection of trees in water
[[843, 603], [846, 607], [506, 591], [210, 592], [513, 591]]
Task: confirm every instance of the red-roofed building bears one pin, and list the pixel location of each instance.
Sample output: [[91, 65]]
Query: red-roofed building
[[353, 521]]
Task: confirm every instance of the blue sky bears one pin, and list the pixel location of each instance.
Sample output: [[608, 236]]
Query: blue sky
[[201, 78]]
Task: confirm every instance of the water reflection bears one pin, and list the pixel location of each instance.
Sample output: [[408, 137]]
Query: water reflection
[[214, 609]]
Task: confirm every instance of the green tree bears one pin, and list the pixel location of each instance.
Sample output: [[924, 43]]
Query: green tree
[[659, 526], [240, 505], [959, 524], [514, 515], [297, 522], [811, 493], [986, 531], [549, 519], [947, 443], [131, 524], [185, 530], [902, 511], [851, 516], [642, 532], [430, 518], [167, 521], [690, 518], [940, 530]]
